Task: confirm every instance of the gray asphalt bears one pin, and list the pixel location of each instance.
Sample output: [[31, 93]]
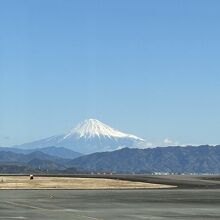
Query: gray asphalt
[[110, 204]]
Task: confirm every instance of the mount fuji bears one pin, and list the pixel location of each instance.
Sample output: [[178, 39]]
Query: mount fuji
[[88, 137]]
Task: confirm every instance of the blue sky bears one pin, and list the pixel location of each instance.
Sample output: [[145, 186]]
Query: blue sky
[[150, 68]]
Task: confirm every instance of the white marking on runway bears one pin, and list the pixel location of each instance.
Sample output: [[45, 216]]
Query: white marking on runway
[[27, 206], [145, 217], [16, 217], [52, 210]]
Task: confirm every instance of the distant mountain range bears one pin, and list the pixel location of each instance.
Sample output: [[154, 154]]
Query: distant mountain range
[[33, 161], [201, 159], [93, 146], [89, 136], [40, 160], [51, 151]]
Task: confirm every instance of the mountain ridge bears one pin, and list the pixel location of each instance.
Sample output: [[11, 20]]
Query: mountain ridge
[[51, 151], [173, 159], [88, 137]]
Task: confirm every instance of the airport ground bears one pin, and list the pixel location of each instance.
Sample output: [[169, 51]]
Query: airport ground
[[50, 182], [180, 181], [110, 204], [195, 198]]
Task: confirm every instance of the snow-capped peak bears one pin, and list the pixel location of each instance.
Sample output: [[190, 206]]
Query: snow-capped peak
[[95, 128]]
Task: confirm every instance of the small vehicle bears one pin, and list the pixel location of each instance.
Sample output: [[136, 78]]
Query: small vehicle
[[31, 177]]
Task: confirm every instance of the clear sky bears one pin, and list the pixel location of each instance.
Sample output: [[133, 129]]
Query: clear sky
[[147, 67]]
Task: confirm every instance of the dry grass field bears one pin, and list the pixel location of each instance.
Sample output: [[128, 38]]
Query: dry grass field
[[24, 182]]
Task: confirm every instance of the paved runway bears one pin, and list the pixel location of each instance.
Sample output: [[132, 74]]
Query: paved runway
[[112, 204]]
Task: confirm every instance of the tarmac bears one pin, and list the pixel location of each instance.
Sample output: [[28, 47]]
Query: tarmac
[[196, 198], [158, 204]]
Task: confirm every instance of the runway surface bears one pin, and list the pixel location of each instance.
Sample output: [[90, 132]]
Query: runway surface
[[110, 204]]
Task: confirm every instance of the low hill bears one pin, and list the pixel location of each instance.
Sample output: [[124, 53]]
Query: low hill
[[200, 159], [17, 163], [52, 151]]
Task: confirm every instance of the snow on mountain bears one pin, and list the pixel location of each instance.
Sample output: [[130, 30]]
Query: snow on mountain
[[88, 137], [92, 127]]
